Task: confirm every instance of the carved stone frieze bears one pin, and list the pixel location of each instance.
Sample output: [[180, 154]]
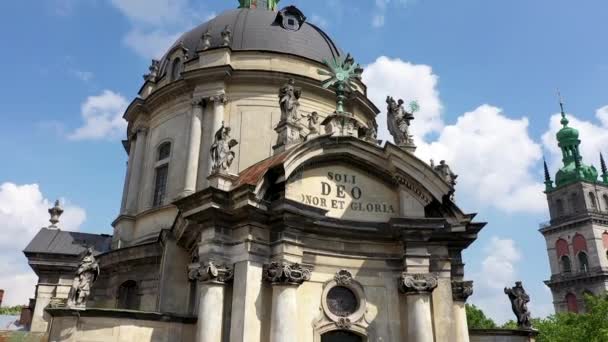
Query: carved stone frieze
[[284, 273], [417, 283], [209, 272], [461, 290], [343, 278]]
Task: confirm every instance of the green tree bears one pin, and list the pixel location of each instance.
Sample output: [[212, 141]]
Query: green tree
[[476, 319], [11, 310]]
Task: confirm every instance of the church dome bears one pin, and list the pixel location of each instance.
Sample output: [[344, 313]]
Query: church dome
[[285, 31]]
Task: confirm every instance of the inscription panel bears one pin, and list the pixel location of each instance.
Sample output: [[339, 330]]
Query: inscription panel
[[345, 193]]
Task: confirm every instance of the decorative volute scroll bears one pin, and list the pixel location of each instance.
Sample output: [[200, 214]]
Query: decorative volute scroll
[[226, 36], [284, 273], [417, 283], [461, 290], [209, 272]]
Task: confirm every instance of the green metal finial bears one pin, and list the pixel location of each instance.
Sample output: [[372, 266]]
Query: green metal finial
[[261, 4], [564, 120], [604, 169], [343, 72], [548, 182]]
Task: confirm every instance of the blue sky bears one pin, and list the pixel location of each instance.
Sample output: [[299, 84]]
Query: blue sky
[[485, 73]]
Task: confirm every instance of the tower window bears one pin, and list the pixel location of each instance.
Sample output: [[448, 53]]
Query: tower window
[[571, 303], [566, 265], [583, 262], [161, 174], [561, 247], [559, 205], [572, 203], [579, 243], [592, 201]]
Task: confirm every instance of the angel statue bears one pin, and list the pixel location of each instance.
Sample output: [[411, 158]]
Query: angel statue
[[289, 95], [519, 303], [86, 274], [313, 124], [399, 120], [221, 150]]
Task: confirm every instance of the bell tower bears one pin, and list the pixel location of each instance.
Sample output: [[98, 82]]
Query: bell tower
[[577, 234]]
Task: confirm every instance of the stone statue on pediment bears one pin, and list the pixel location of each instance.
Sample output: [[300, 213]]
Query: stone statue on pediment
[[221, 150], [314, 124], [398, 120], [86, 274], [445, 172], [519, 303], [289, 96]]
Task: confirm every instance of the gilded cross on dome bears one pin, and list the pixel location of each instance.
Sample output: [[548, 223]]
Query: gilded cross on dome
[[343, 71]]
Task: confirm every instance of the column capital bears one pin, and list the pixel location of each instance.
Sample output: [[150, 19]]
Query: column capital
[[417, 283], [209, 272], [197, 102], [461, 290], [285, 273], [218, 99], [137, 131]]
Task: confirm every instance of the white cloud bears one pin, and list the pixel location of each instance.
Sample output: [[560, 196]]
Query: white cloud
[[492, 153], [82, 75], [150, 44], [498, 269], [156, 24], [102, 116], [594, 138], [23, 211], [401, 79]]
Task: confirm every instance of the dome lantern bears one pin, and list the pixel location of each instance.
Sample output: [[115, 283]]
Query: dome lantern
[[270, 5]]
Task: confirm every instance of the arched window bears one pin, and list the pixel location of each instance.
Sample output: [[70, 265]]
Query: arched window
[[566, 264], [571, 303], [559, 205], [127, 296], [561, 248], [176, 69], [583, 262], [592, 201], [579, 243], [341, 336], [161, 173]]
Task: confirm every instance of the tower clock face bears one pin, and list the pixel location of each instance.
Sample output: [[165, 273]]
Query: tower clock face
[[341, 301]]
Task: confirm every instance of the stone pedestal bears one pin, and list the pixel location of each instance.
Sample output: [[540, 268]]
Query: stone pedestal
[[193, 148], [289, 134], [221, 180], [418, 288], [409, 147], [342, 124]]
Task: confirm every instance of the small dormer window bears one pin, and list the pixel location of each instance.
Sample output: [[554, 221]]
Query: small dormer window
[[290, 18]]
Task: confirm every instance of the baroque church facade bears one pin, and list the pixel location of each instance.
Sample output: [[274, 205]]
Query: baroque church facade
[[577, 234], [258, 205]]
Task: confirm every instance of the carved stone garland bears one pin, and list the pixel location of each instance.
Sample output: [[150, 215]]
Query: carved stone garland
[[283, 273], [417, 283]]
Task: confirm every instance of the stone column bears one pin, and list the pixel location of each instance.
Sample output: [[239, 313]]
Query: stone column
[[213, 123], [285, 279], [125, 189], [40, 319], [212, 280], [136, 170], [418, 288], [194, 148], [461, 290]]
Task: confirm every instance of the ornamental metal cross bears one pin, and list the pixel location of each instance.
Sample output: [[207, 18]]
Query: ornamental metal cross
[[343, 71]]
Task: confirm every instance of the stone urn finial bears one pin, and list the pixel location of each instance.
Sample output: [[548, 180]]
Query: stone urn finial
[[55, 212]]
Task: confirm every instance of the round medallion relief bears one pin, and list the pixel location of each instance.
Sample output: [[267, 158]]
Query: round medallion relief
[[342, 301]]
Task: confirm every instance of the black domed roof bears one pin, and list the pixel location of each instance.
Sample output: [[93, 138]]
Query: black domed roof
[[261, 30]]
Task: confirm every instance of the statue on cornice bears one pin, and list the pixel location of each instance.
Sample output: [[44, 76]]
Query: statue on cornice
[[153, 71], [519, 303], [399, 120], [445, 172], [221, 150], [289, 96], [86, 274], [226, 36], [313, 125]]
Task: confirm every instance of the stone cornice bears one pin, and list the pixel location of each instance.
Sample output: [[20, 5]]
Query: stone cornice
[[417, 283], [461, 290], [285, 273]]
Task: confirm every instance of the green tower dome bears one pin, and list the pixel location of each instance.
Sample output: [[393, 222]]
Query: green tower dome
[[573, 170]]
